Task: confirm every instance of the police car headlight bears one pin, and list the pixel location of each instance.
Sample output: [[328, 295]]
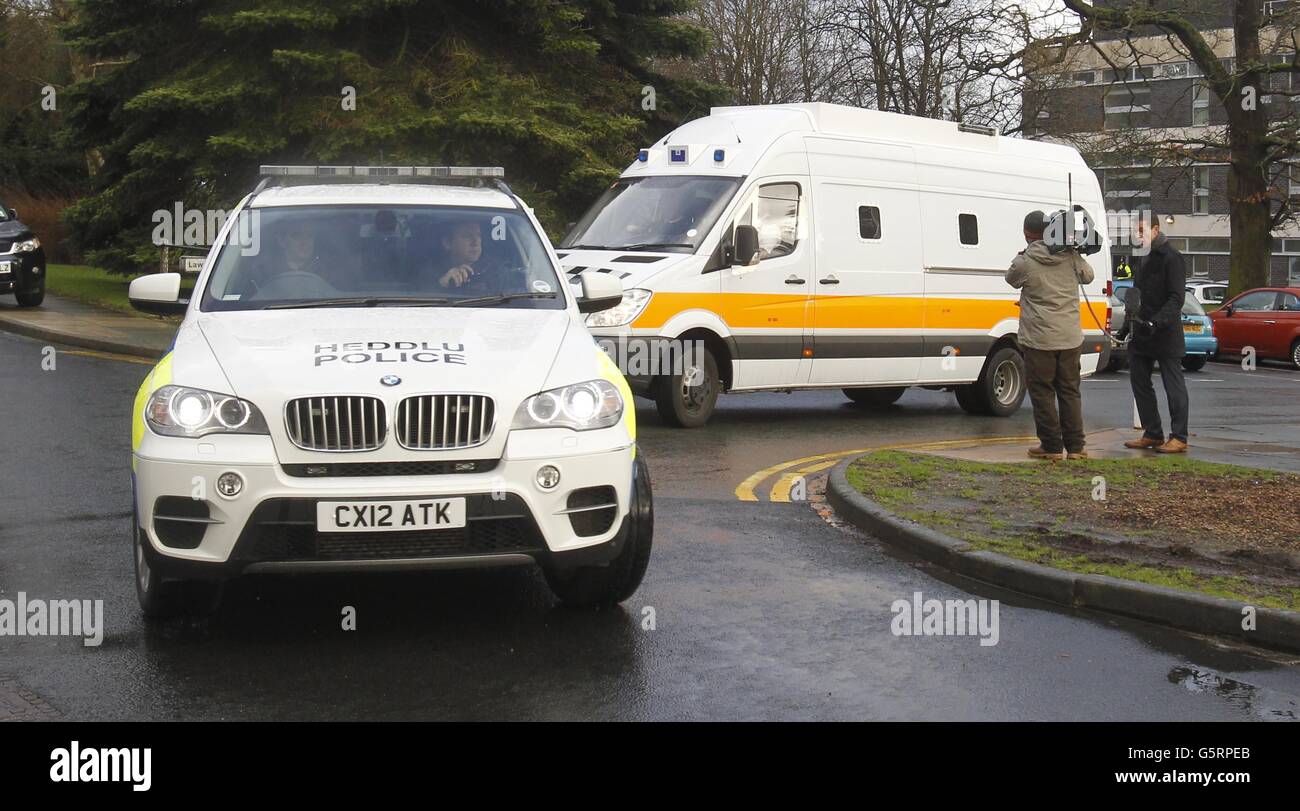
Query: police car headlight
[[625, 312], [182, 411], [27, 246], [582, 407]]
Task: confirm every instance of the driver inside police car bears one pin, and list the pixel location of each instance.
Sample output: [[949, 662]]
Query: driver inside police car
[[462, 245]]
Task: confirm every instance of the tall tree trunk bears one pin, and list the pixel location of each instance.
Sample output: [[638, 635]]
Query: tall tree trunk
[[1248, 189]]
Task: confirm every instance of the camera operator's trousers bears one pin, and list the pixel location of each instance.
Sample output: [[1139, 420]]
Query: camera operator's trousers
[[1052, 378], [1171, 374]]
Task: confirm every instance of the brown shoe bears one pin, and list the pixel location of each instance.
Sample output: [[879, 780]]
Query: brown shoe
[[1173, 446], [1038, 453], [1144, 443], [1077, 455]]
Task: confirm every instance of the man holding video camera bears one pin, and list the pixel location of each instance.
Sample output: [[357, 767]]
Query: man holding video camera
[[1050, 336], [1156, 329]]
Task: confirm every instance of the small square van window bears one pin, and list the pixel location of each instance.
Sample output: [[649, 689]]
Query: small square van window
[[777, 219], [968, 229], [869, 222]]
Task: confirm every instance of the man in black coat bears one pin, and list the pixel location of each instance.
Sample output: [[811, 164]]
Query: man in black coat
[[1157, 332]]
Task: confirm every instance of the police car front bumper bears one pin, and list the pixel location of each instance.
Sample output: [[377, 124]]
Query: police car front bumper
[[271, 525]]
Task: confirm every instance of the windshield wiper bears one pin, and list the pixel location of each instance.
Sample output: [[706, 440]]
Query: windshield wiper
[[500, 298], [648, 246], [586, 248], [359, 301]]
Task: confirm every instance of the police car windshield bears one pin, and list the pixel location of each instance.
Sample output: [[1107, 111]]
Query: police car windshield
[[665, 213], [382, 256]]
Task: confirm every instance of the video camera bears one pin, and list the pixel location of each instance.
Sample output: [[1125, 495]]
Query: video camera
[[1072, 230]]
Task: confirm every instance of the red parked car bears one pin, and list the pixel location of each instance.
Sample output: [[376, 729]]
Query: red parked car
[[1267, 318]]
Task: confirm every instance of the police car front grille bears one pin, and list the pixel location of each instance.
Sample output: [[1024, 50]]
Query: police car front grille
[[438, 421], [345, 423]]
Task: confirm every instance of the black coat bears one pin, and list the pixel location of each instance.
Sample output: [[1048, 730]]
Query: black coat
[[1162, 280]]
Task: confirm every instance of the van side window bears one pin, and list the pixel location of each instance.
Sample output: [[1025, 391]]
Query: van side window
[[777, 219], [968, 229], [869, 222]]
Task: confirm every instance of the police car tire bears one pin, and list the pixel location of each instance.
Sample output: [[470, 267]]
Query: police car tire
[[32, 298], [608, 585], [983, 390], [1194, 363], [875, 397], [162, 599], [671, 403]]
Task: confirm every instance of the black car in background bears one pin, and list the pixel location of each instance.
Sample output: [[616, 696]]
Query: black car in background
[[22, 261]]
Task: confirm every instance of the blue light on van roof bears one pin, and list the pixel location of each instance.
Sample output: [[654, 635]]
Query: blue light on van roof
[[643, 155], [719, 155]]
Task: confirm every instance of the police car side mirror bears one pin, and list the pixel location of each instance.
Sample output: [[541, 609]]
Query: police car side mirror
[[745, 248], [157, 294], [600, 291]]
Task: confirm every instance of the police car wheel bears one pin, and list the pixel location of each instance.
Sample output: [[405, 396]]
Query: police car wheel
[[164, 599], [1194, 363], [1000, 389], [877, 397], [687, 400], [32, 298], [602, 586]]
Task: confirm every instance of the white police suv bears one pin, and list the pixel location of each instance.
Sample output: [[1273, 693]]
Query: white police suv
[[381, 368]]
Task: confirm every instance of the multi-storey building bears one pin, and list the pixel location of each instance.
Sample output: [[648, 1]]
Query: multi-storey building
[[1124, 100]]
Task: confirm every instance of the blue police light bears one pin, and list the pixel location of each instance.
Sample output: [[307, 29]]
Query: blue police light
[[643, 155], [719, 155]]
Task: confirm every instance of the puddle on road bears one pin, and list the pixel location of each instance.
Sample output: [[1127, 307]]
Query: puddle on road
[[1268, 705]]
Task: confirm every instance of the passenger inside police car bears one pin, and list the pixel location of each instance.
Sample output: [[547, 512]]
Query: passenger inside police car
[[296, 266]]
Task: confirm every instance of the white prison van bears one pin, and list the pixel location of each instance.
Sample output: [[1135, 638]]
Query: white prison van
[[822, 246]]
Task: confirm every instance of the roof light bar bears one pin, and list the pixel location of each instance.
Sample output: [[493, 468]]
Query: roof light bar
[[382, 171]]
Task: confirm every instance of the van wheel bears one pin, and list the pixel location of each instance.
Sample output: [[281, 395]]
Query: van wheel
[[877, 397], [164, 599], [1194, 363], [686, 400], [1000, 389], [602, 586]]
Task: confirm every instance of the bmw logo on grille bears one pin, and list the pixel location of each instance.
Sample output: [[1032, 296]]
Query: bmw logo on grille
[[390, 380]]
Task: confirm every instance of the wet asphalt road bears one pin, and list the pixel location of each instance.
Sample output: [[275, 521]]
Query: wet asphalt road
[[762, 610]]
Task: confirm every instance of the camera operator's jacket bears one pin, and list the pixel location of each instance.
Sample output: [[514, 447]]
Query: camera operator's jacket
[[1049, 297]]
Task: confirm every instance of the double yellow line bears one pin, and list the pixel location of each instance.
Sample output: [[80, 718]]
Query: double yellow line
[[797, 469]]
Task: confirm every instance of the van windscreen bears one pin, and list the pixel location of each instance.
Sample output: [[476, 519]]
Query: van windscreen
[[662, 213]]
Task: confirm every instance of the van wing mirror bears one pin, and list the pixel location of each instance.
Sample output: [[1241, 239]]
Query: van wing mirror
[[600, 291], [745, 246], [157, 294], [13, 213]]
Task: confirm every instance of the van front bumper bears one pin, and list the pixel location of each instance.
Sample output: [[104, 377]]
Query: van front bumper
[[271, 525]]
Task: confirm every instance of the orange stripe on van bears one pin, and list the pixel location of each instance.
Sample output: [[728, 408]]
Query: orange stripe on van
[[758, 310]]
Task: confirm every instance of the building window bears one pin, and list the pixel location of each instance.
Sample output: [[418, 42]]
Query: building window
[[1209, 245], [777, 216], [1201, 190], [1200, 265], [1083, 77], [1128, 189], [1293, 177], [869, 222], [1293, 270], [1200, 104], [968, 229], [1127, 106]]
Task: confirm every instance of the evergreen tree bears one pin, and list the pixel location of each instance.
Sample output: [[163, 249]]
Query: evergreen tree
[[180, 100]]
